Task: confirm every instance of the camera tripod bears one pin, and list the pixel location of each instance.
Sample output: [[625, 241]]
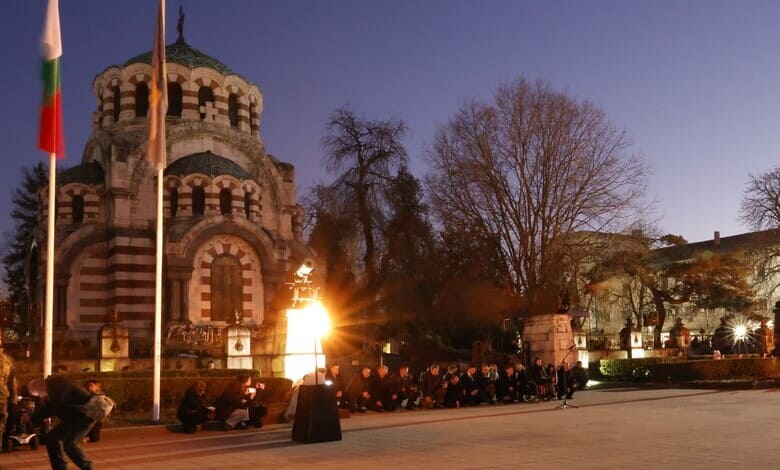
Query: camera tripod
[[565, 403]]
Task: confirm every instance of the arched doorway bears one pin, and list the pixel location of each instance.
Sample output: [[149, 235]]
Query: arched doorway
[[226, 288]]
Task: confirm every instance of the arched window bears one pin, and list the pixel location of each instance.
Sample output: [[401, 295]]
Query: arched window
[[174, 99], [247, 204], [227, 288], [117, 102], [174, 201], [205, 95], [141, 100], [77, 206], [225, 201], [233, 109], [198, 200]]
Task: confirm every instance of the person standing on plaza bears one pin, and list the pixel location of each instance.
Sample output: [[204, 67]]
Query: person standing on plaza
[[7, 387], [65, 400]]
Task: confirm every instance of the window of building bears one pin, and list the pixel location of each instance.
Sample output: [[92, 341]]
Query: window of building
[[233, 109], [225, 201], [77, 205], [205, 95], [198, 200], [174, 201], [117, 102], [247, 204], [174, 99], [227, 292], [141, 100]]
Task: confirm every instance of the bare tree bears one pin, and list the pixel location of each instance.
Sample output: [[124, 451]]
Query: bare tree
[[761, 203], [366, 154], [531, 169]]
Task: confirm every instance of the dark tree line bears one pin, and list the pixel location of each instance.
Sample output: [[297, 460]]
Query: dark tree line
[[20, 255]]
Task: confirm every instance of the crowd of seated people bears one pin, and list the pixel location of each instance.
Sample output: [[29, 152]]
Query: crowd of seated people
[[240, 403], [381, 391]]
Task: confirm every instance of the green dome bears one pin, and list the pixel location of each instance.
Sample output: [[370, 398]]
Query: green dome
[[206, 163], [182, 53]]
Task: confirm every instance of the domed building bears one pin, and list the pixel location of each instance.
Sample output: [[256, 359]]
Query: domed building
[[232, 225]]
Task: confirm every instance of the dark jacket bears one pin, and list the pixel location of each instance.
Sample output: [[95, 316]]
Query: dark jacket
[[232, 398], [64, 399], [192, 406], [382, 389], [429, 384], [357, 385]]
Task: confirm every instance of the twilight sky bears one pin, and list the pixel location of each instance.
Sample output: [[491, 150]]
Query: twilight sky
[[695, 83]]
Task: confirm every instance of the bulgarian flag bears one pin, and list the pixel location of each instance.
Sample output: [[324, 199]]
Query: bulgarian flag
[[51, 138]]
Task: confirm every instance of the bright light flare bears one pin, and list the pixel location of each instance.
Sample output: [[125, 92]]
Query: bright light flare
[[740, 332], [305, 327]]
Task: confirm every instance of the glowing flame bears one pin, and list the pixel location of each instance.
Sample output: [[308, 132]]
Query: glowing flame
[[305, 328]]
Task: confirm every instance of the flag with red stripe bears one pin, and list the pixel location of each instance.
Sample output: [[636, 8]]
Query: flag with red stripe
[[52, 137]]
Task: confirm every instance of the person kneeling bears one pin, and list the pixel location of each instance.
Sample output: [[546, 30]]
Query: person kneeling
[[193, 409], [232, 407]]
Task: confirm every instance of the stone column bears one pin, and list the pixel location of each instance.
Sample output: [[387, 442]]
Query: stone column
[[550, 337]]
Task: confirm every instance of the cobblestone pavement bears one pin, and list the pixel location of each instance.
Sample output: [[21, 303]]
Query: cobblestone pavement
[[618, 428]]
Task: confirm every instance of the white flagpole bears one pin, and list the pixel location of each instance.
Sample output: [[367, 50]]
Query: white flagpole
[[48, 325], [158, 296]]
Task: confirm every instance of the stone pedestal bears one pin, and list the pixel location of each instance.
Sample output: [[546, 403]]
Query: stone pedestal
[[114, 347], [550, 337], [238, 347]]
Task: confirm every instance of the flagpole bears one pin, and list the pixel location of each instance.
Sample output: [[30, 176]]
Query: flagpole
[[48, 325], [158, 297]]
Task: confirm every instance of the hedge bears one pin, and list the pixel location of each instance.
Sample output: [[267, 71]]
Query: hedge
[[132, 390], [711, 369], [628, 369]]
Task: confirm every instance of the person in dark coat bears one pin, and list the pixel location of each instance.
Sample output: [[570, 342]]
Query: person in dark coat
[[566, 384], [453, 394], [432, 387], [470, 386], [194, 409], [522, 379], [232, 406], [580, 376], [65, 400], [359, 391], [255, 403], [406, 388], [509, 386], [383, 395]]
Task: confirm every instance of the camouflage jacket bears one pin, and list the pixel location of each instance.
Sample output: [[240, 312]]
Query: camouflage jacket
[[7, 382]]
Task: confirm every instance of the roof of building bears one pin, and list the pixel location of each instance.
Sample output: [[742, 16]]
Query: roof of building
[[208, 164], [86, 173], [182, 53], [744, 241]]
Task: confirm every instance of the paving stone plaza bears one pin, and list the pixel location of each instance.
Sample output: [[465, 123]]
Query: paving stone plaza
[[625, 428]]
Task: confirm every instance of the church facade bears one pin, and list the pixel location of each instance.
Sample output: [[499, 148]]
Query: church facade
[[233, 229]]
